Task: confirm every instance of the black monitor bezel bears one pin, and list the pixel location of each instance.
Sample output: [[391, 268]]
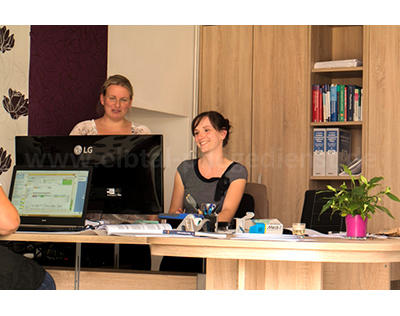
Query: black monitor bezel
[[159, 191]]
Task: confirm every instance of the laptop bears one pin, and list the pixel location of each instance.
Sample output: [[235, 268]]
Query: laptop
[[50, 198]]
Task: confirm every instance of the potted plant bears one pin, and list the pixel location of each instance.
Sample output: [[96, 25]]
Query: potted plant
[[357, 202]]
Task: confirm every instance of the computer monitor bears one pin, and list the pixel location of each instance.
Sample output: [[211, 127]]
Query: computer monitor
[[50, 196], [127, 169]]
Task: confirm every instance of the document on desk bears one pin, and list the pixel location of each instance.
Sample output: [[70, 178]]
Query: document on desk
[[313, 233], [135, 229], [160, 230]]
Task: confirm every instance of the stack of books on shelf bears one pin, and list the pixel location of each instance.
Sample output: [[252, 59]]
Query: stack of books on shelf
[[331, 149], [336, 103]]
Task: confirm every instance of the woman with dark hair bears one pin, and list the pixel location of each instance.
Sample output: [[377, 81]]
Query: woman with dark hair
[[212, 178]]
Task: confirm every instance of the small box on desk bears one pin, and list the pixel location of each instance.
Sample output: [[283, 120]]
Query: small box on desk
[[266, 226]]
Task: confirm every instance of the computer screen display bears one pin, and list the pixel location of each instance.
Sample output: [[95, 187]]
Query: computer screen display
[[127, 169], [54, 193]]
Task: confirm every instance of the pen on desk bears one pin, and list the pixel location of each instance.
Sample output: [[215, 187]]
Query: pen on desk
[[192, 202]]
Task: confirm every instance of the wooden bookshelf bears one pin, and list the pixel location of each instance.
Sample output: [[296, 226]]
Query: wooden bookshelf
[[347, 124], [339, 69], [333, 43], [324, 178]]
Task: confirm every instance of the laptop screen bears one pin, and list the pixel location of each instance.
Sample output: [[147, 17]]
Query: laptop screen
[[44, 195]]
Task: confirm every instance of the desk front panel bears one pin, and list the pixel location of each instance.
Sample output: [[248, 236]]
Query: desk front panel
[[312, 250]]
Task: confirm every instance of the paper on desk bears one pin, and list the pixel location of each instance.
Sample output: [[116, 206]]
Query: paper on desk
[[134, 229], [82, 232], [308, 232], [313, 233], [217, 235], [281, 237]]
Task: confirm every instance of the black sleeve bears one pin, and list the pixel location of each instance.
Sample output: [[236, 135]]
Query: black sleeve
[[18, 272]]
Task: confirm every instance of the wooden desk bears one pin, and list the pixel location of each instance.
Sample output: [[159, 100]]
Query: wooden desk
[[317, 263], [107, 279], [75, 238]]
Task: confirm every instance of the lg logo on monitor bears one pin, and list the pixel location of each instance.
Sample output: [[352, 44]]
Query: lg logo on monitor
[[78, 150]]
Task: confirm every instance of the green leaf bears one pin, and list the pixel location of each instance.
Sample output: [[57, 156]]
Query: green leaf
[[346, 169], [331, 188], [375, 180], [364, 180], [384, 209], [393, 197]]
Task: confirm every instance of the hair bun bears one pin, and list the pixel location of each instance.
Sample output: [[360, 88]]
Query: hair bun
[[227, 123]]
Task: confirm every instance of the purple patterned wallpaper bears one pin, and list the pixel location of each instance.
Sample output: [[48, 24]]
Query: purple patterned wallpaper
[[68, 65]]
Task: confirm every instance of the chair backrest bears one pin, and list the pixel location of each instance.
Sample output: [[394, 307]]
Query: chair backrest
[[259, 193], [246, 205], [324, 223]]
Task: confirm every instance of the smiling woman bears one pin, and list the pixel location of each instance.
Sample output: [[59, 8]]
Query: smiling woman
[[212, 178], [115, 101]]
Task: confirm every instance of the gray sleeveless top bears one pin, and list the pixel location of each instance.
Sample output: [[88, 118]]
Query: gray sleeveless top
[[211, 190]]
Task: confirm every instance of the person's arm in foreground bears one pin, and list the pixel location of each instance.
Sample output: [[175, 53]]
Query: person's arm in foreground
[[9, 218]]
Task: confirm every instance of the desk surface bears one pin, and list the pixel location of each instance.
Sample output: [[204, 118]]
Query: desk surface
[[75, 238]]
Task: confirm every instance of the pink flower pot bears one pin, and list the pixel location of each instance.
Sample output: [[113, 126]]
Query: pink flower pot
[[356, 226]]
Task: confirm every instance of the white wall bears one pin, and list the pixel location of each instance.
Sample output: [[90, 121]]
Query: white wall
[[14, 74], [161, 62], [158, 60]]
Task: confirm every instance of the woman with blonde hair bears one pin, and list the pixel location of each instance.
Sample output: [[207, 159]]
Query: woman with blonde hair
[[116, 96]]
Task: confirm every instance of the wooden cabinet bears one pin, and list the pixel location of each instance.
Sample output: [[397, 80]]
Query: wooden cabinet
[[383, 129], [280, 132], [244, 73], [261, 77], [225, 83]]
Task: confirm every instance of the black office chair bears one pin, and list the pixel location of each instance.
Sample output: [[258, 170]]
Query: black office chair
[[324, 223], [246, 205], [259, 193]]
